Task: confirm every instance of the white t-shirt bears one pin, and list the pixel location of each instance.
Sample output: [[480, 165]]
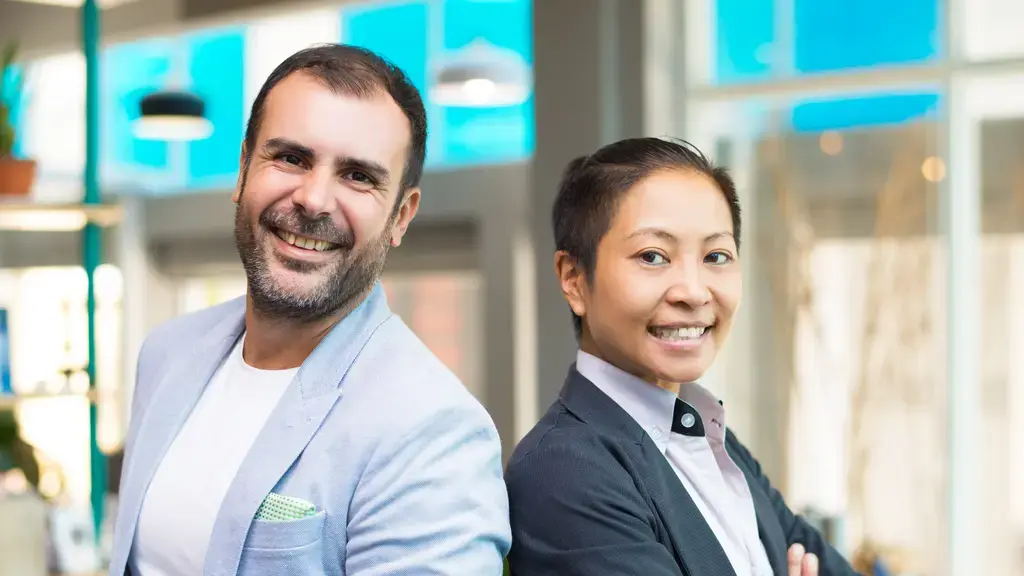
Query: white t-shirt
[[190, 483]]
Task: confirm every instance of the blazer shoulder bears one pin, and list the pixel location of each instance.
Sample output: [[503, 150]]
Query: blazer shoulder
[[185, 329], [564, 462], [397, 370], [560, 435]]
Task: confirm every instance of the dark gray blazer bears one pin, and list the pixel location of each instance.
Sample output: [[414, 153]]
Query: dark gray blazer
[[590, 494]]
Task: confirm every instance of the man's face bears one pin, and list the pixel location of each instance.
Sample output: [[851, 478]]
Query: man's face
[[320, 202]]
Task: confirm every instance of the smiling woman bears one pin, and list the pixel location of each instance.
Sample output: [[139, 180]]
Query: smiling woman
[[633, 470]]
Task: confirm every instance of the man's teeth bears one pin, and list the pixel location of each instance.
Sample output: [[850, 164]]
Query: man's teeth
[[307, 243], [690, 333]]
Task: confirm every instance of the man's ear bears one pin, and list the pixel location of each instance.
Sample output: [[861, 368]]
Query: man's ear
[[406, 212], [243, 166], [572, 281]]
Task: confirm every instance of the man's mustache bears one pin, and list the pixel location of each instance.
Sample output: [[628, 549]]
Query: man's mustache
[[322, 228]]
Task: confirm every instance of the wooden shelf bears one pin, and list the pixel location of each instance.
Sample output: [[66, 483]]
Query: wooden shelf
[[11, 400], [26, 215]]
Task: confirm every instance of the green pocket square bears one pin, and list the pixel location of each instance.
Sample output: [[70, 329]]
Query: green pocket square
[[278, 508]]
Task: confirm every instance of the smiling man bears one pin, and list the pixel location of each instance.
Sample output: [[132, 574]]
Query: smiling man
[[304, 429]]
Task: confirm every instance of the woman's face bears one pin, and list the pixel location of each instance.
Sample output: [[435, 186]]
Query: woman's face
[[666, 281]]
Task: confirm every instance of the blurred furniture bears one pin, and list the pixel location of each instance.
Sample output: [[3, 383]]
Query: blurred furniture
[[23, 534]]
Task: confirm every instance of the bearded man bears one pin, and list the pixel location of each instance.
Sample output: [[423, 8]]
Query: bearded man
[[304, 429]]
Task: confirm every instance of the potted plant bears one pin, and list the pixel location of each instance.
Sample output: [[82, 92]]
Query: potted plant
[[16, 176]]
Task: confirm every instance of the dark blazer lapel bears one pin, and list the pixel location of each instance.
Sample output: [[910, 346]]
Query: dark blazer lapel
[[768, 527], [696, 547], [695, 542]]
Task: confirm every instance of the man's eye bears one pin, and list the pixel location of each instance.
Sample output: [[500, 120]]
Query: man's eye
[[652, 258], [360, 178], [291, 159]]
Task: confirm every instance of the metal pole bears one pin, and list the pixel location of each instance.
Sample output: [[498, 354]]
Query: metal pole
[[961, 211], [92, 247]]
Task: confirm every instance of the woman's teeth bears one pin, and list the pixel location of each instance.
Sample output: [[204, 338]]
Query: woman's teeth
[[671, 334]]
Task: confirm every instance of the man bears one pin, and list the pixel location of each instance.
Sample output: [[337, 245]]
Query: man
[[304, 429]]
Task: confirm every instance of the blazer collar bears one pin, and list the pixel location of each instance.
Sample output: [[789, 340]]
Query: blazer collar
[[175, 393], [587, 402], [317, 387]]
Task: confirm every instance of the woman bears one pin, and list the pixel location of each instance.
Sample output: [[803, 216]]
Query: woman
[[632, 470]]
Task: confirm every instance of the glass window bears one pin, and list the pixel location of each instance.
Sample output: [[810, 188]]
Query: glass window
[[845, 312], [992, 29], [474, 135], [997, 105], [53, 132], [268, 42], [128, 73], [737, 41], [216, 73]]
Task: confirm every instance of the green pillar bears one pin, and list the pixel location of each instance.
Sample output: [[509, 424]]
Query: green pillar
[[92, 247]]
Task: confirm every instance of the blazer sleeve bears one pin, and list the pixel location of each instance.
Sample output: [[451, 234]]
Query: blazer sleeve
[[577, 512], [796, 529], [432, 501]]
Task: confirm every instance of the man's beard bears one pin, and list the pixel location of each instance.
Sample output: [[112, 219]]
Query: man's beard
[[347, 278]]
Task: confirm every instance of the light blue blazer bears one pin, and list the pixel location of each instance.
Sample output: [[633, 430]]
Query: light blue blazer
[[402, 463]]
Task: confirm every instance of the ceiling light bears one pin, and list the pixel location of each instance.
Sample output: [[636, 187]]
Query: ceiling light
[[831, 142], [481, 75], [933, 169], [172, 116]]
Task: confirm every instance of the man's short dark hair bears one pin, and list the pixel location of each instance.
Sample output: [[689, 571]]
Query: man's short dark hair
[[593, 186], [357, 72]]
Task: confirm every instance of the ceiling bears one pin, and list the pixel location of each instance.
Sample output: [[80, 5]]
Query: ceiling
[[46, 28]]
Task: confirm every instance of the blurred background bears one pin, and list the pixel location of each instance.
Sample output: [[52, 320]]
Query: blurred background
[[878, 150]]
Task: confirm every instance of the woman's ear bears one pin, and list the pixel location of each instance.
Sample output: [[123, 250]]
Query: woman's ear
[[573, 282]]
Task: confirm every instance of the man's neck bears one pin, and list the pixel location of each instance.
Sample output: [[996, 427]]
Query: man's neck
[[273, 343]]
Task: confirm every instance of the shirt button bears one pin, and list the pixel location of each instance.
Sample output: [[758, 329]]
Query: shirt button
[[655, 432], [687, 420]]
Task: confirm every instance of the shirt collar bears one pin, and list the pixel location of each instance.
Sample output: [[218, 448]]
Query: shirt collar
[[655, 409]]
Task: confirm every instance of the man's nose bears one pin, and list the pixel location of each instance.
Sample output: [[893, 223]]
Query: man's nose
[[315, 196]]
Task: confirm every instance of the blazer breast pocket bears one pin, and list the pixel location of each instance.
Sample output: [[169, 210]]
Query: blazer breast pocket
[[286, 547]]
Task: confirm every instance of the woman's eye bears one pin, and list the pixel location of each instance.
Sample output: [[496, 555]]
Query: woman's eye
[[718, 258], [653, 258]]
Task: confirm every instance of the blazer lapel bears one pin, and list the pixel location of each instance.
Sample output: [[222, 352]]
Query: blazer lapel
[[290, 427], [173, 398], [696, 546]]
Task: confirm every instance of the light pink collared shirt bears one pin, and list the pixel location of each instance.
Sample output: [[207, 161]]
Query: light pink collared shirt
[[707, 472]]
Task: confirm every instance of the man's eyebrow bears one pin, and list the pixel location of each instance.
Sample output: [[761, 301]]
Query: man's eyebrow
[[277, 145], [373, 169]]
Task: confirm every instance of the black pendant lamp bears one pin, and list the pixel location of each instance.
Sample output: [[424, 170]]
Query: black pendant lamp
[[172, 116]]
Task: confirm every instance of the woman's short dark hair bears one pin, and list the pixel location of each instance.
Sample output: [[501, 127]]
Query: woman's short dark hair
[[593, 186]]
